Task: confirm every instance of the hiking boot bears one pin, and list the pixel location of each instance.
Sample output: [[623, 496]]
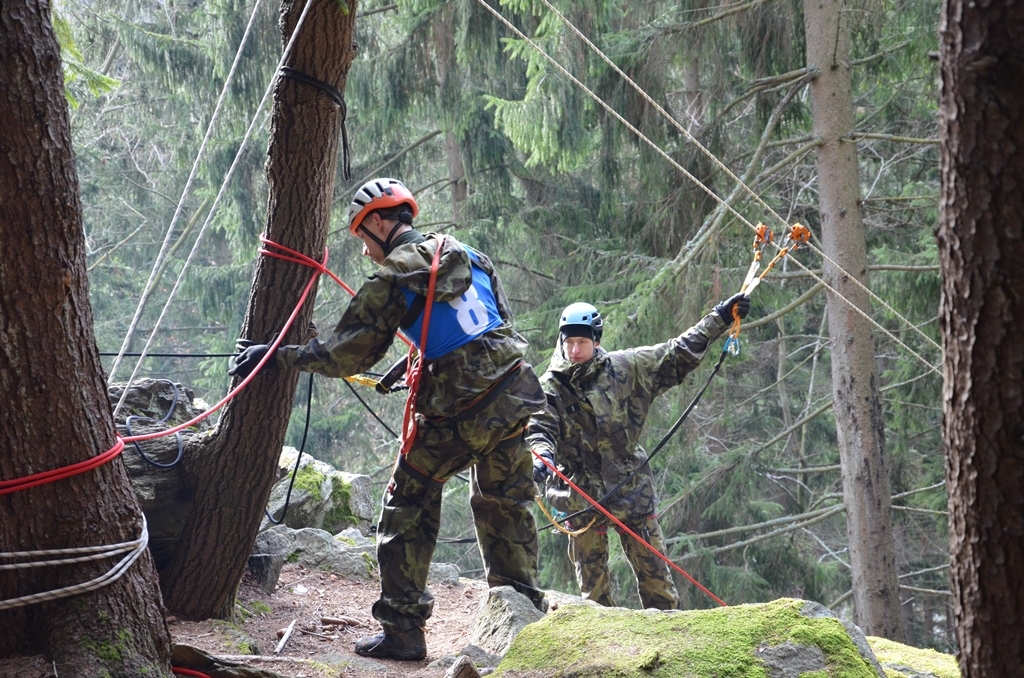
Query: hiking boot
[[407, 645]]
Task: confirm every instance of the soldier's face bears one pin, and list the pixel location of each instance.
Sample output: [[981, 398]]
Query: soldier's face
[[579, 349], [371, 249]]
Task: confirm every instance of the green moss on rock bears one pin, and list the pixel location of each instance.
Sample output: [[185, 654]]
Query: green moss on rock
[[614, 642], [904, 661]]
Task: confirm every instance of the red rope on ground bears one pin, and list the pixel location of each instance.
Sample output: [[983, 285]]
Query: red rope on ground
[[631, 532], [188, 672]]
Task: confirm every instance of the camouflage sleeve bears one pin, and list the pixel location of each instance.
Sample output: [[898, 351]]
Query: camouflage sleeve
[[360, 339], [543, 431], [666, 365]]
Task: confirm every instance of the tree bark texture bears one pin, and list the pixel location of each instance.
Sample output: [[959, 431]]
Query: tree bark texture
[[233, 469], [981, 231], [855, 388], [443, 29], [56, 412]]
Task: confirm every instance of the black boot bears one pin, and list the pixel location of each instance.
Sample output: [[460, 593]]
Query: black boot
[[408, 645]]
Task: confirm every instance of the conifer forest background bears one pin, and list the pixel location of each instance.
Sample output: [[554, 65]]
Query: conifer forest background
[[507, 153]]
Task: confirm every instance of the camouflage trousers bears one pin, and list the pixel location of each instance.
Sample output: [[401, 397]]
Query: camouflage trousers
[[589, 553], [501, 493]]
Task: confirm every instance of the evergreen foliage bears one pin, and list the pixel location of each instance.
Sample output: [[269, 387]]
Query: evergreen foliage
[[573, 207]]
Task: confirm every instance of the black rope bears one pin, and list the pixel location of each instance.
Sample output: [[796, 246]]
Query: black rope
[[177, 434], [339, 99], [298, 460], [660, 445], [368, 408]]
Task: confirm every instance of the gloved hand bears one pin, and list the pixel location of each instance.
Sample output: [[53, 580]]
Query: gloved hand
[[740, 300], [244, 363], [541, 471]]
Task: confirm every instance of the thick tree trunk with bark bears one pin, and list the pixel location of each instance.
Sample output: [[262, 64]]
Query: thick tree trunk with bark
[[234, 469], [981, 247], [56, 412], [859, 424]]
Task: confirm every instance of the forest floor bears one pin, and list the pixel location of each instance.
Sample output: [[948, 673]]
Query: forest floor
[[315, 648], [319, 649]]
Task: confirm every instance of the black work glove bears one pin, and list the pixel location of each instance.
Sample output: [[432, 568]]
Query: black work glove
[[541, 471], [740, 300], [244, 363]]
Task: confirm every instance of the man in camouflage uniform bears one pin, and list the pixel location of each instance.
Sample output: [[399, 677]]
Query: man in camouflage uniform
[[474, 399], [597, 403]]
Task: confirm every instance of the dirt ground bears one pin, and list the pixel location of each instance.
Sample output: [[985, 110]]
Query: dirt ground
[[317, 648], [330, 614]]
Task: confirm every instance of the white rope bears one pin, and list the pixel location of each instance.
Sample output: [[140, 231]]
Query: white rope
[[162, 254], [133, 548], [728, 172], [216, 202]]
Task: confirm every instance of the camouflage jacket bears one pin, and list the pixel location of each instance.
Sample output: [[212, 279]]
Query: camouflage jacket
[[368, 326], [596, 410]]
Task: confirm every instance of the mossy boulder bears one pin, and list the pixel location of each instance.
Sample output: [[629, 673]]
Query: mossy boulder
[[321, 496], [153, 406], [903, 661], [787, 637]]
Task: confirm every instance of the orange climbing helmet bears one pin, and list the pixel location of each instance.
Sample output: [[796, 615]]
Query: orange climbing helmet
[[378, 194]]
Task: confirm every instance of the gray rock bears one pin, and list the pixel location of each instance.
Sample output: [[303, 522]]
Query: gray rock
[[321, 496], [481, 657], [462, 668], [816, 610], [502, 615], [317, 549], [791, 661], [162, 493], [444, 573]]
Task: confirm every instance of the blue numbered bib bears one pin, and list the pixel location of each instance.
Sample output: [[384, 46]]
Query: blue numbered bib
[[459, 321]]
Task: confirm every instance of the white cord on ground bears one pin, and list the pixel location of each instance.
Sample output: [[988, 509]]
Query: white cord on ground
[[133, 548]]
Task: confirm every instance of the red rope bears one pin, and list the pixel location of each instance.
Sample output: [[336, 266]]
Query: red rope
[[414, 369], [269, 355], [18, 484], [187, 672], [631, 532], [299, 258]]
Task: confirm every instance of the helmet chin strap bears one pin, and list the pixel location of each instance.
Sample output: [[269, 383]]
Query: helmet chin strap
[[385, 245]]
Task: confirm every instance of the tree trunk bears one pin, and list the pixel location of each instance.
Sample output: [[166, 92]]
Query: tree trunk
[[858, 411], [980, 247], [233, 470], [448, 82], [55, 406]]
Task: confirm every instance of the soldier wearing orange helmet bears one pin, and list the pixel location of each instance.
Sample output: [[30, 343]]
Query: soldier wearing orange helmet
[[474, 398]]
